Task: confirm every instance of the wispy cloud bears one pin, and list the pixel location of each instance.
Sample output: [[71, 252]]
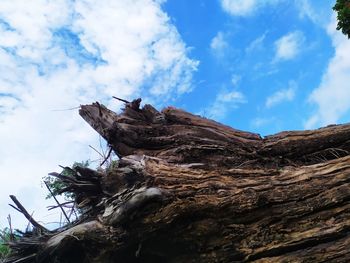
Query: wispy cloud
[[315, 11], [256, 44], [306, 10], [59, 54], [289, 46], [218, 44], [224, 102], [332, 96], [282, 95], [244, 7]]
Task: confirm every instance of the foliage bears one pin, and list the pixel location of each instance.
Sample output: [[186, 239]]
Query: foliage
[[342, 7], [56, 185], [5, 237], [4, 251]]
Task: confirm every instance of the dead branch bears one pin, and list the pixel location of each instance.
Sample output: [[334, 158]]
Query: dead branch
[[21, 209], [54, 197]]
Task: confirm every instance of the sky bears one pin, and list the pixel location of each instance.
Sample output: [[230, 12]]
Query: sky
[[258, 65]]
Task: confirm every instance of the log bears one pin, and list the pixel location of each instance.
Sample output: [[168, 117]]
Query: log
[[189, 189]]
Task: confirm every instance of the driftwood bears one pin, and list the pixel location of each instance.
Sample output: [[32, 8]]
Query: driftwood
[[188, 189]]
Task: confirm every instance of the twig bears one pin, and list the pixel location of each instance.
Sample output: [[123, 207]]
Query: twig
[[54, 197], [21, 209], [15, 208], [97, 151], [68, 109], [71, 212], [74, 210], [108, 155], [125, 101], [100, 142], [25, 259], [65, 204], [27, 228], [10, 225]]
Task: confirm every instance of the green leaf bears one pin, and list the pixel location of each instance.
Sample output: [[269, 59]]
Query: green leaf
[[56, 185], [342, 7]]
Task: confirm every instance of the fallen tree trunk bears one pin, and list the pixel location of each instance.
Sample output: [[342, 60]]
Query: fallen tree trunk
[[188, 189]]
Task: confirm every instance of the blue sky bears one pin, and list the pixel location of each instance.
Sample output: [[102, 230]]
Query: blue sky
[[257, 65], [273, 54]]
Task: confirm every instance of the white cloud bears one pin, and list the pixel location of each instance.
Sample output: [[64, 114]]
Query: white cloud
[[332, 96], [244, 7], [59, 54], [230, 97], [218, 44], [306, 10], [224, 102], [289, 46], [282, 95], [256, 44], [317, 12]]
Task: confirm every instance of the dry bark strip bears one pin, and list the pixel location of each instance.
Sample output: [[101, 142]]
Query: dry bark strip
[[188, 189]]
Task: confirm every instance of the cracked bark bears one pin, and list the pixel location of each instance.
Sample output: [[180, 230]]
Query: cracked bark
[[188, 189]]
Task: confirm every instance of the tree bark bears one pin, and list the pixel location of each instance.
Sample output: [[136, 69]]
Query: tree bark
[[189, 189]]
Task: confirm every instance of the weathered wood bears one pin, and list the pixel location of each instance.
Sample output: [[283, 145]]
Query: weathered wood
[[188, 189], [181, 137], [20, 208]]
